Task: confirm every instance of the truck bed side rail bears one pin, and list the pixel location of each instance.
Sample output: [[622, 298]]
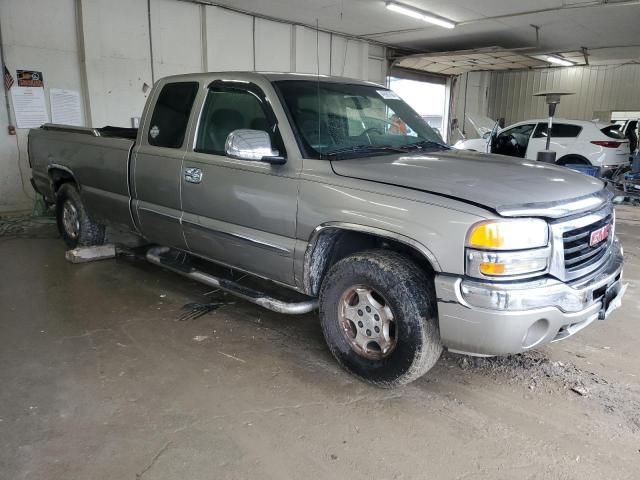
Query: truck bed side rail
[[108, 131], [71, 129]]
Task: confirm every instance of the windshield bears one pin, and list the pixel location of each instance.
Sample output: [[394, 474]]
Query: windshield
[[336, 120]]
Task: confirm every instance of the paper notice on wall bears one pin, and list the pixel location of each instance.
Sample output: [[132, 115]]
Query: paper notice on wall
[[65, 107], [29, 106]]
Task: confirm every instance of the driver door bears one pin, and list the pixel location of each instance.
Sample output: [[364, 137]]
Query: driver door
[[241, 213], [513, 141]]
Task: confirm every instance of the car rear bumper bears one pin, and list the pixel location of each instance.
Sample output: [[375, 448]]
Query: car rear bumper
[[482, 318]]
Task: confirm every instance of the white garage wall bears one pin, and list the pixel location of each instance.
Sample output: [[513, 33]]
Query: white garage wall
[[229, 40], [35, 37], [377, 64], [273, 45], [349, 58], [110, 49], [118, 60], [176, 32], [312, 50], [596, 88]]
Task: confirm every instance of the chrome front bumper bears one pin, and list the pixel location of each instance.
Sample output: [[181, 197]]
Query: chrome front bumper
[[482, 318]]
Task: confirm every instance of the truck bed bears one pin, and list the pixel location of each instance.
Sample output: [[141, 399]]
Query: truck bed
[[98, 158]]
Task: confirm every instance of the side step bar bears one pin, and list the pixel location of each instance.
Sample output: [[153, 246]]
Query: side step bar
[[155, 256]]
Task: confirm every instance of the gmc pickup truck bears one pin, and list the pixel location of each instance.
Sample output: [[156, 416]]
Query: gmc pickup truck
[[339, 191]]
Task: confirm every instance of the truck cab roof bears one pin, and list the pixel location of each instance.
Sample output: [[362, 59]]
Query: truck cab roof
[[269, 76]]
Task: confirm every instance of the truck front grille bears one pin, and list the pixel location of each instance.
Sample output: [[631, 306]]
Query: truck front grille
[[578, 254]]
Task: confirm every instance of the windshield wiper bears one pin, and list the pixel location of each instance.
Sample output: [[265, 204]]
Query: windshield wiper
[[428, 143], [362, 149]]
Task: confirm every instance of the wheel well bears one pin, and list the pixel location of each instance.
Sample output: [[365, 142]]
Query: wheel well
[[334, 244], [572, 159], [59, 177]]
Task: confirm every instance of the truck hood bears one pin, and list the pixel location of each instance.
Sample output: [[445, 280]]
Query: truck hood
[[492, 181]]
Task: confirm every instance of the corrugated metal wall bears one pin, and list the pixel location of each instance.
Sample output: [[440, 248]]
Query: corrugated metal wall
[[597, 89]]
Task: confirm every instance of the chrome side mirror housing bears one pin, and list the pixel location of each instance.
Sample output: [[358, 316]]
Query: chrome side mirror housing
[[246, 144]]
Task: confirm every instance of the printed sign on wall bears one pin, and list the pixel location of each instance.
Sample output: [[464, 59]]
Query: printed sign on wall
[[29, 106], [65, 107], [30, 78]]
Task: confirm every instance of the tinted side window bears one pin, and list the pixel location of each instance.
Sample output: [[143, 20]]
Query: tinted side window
[[613, 131], [521, 133], [226, 110], [558, 130], [171, 114]]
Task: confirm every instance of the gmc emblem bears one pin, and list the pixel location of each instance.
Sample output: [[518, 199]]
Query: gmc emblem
[[599, 235]]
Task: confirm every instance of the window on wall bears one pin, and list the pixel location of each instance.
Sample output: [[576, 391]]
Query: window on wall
[[171, 114], [426, 98]]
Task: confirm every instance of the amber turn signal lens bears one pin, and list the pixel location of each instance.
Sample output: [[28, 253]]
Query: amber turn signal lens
[[486, 235], [487, 268]]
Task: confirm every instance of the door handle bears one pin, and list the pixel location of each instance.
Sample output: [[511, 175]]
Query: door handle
[[193, 175]]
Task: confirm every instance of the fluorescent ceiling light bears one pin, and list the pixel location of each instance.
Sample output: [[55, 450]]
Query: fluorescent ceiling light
[[420, 15], [559, 61]]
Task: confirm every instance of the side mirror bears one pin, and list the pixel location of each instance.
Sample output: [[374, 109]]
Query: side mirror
[[245, 144]]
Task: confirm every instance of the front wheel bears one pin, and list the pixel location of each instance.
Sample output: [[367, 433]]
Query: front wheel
[[378, 316], [74, 223]]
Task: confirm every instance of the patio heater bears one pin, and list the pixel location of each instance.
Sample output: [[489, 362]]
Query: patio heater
[[552, 98]]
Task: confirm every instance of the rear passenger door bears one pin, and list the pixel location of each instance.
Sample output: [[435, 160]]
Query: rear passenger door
[[239, 212], [157, 164], [563, 138]]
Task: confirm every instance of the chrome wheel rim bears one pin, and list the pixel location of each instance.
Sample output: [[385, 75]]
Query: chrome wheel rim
[[367, 322], [70, 220]]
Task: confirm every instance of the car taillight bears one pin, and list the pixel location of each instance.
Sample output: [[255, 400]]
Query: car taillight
[[606, 143]]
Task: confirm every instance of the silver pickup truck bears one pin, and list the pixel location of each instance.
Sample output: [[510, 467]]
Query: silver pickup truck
[[339, 191]]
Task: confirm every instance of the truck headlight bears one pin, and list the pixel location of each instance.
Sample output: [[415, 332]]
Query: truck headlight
[[516, 234], [507, 249]]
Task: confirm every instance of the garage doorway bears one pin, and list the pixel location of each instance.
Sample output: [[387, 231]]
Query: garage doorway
[[429, 99]]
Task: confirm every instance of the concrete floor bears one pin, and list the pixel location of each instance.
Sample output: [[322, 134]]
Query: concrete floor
[[99, 379]]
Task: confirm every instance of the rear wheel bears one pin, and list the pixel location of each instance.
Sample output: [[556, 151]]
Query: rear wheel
[[74, 223], [378, 315]]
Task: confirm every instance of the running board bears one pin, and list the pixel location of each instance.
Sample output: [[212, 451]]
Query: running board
[[154, 255]]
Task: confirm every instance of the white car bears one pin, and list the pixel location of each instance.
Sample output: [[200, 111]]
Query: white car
[[574, 141]]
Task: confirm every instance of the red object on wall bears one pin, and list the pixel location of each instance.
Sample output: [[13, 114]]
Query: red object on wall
[[11, 130]]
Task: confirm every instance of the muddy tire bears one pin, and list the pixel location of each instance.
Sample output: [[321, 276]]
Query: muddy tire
[[75, 225], [379, 318]]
